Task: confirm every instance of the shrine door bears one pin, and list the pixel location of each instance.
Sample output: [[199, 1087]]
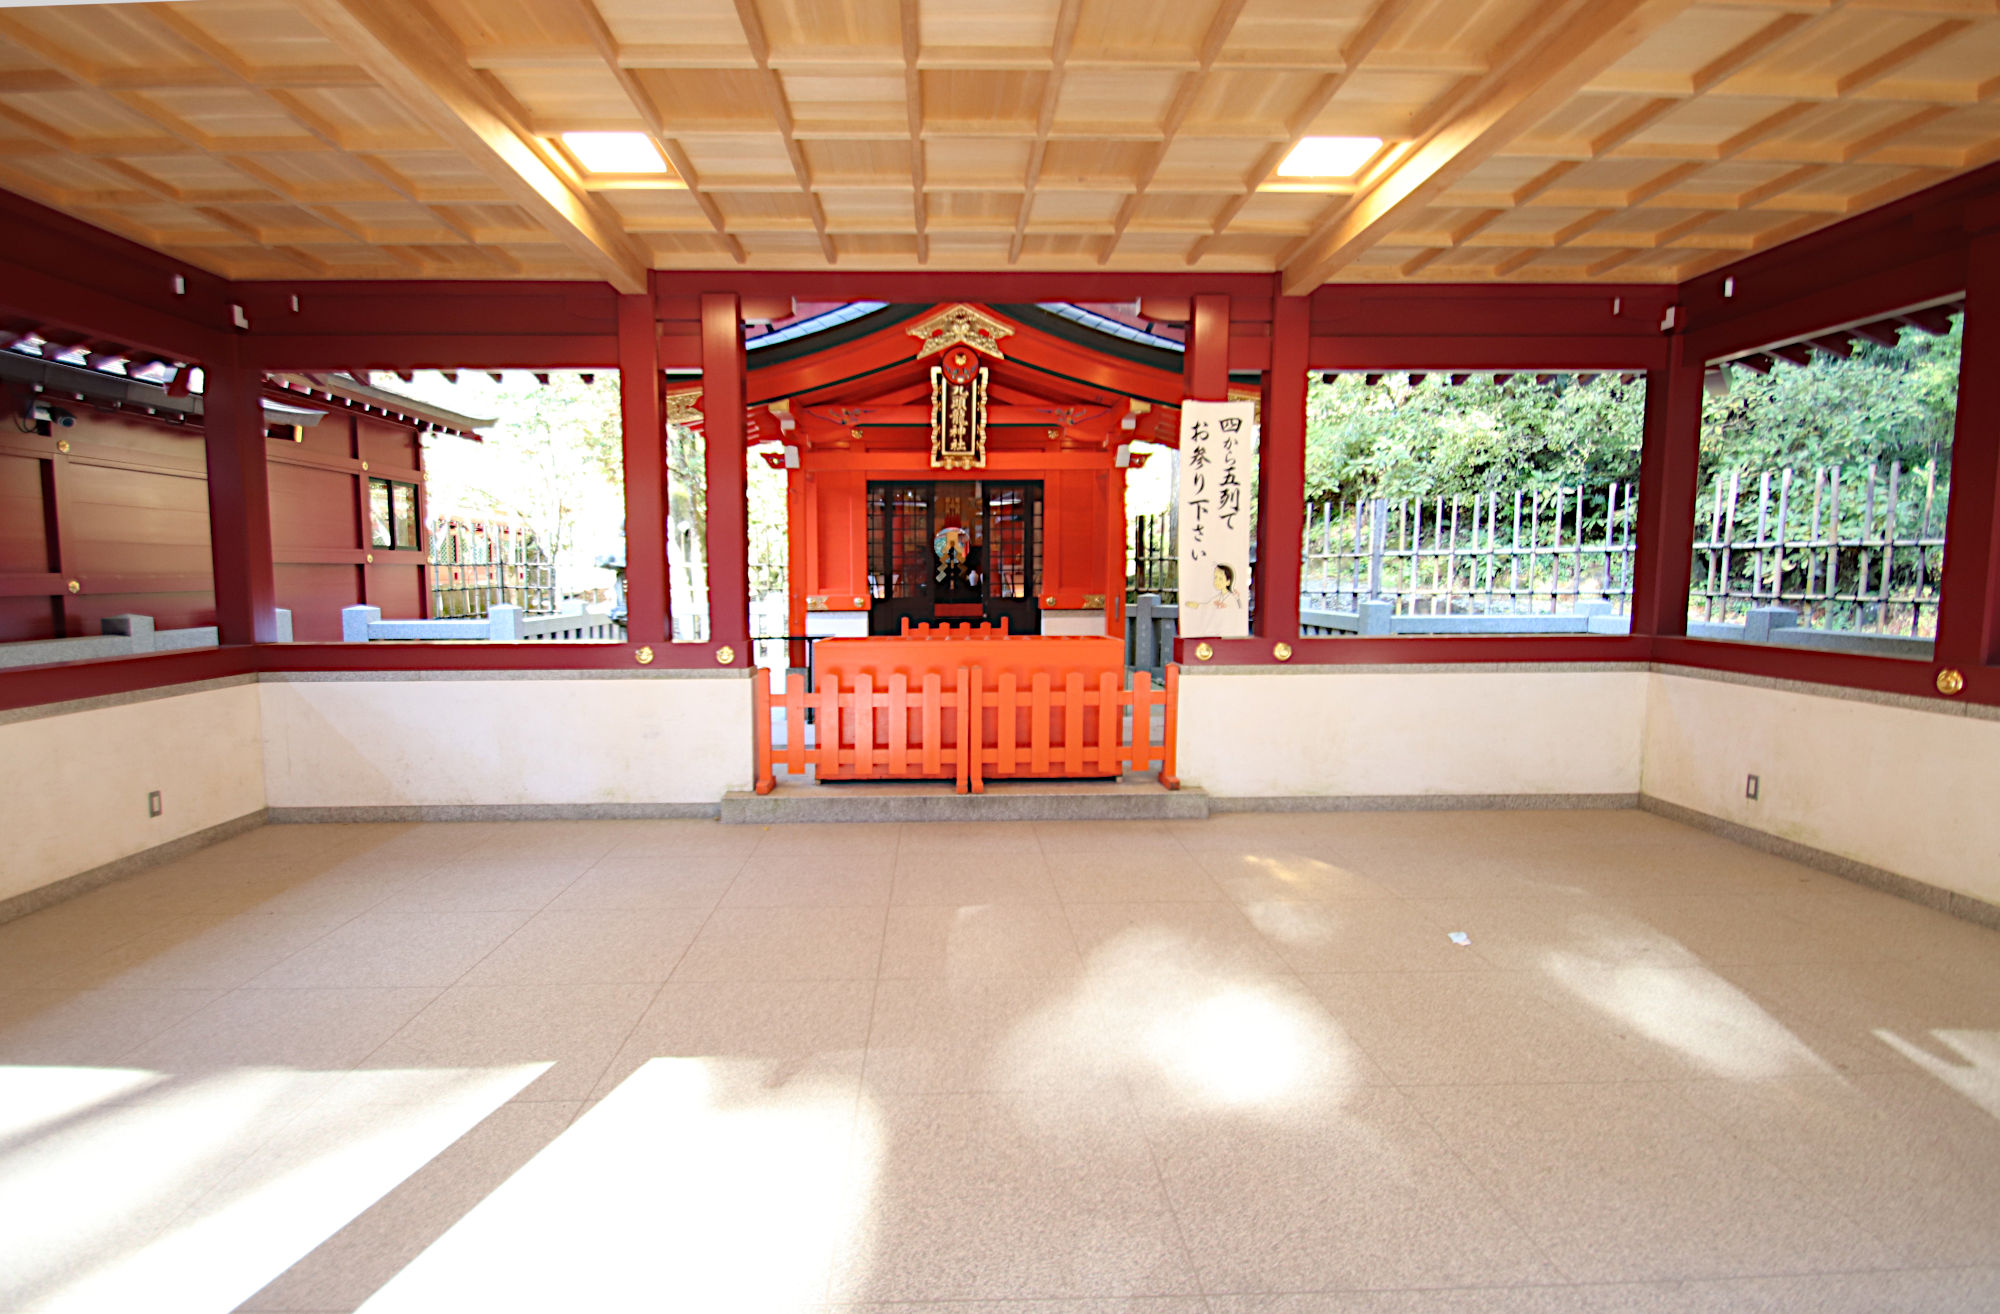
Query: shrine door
[[959, 550]]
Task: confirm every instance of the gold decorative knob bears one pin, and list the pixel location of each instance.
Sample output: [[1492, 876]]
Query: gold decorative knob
[[368, 558], [1282, 651], [62, 444], [1949, 681], [1203, 652], [75, 586], [644, 656], [725, 654], [364, 465]]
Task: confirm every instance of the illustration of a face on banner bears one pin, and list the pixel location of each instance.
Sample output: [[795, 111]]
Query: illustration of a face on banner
[[1218, 446]]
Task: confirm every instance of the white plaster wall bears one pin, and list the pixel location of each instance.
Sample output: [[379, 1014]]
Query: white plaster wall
[[73, 786], [1909, 791], [1073, 622], [385, 743], [1416, 732]]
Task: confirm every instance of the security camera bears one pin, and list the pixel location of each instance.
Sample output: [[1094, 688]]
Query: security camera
[[55, 415]]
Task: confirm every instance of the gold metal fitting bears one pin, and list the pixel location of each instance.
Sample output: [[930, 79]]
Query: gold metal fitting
[[725, 654], [644, 656], [369, 558], [364, 465], [1202, 652], [1282, 651], [75, 587], [62, 444], [1950, 681]]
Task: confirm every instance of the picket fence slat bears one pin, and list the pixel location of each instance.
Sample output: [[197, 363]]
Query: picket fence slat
[[863, 733]]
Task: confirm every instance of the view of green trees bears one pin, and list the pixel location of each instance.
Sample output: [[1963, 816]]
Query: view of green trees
[[1431, 439]]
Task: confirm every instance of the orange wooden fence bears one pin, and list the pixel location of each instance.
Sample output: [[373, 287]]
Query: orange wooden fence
[[1038, 729]]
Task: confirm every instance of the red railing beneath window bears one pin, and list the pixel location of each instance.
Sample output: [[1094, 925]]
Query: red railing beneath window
[[1037, 729]]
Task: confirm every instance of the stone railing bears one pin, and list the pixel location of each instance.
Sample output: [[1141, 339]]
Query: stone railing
[[123, 636], [1150, 626], [501, 624]]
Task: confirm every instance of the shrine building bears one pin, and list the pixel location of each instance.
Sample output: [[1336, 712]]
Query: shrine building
[[1232, 655]]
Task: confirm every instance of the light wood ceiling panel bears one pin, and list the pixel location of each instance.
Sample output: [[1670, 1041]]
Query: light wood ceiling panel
[[1525, 139]]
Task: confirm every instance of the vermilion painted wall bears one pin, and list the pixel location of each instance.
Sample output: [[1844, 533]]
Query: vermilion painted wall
[[131, 498]]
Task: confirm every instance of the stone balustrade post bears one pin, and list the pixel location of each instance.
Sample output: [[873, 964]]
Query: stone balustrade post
[[1757, 626], [354, 623], [503, 623]]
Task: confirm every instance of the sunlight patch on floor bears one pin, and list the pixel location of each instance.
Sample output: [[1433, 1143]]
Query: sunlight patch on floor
[[1154, 1007], [1976, 1076], [680, 1190], [1690, 1010], [171, 1194]]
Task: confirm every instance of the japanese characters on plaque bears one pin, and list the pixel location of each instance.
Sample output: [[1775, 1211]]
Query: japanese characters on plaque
[[1218, 460], [958, 411]]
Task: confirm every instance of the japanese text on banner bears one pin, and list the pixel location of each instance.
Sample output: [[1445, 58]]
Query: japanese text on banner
[[1218, 455]]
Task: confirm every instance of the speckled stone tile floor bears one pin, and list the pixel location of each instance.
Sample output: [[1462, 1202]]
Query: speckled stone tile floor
[[1221, 1066]]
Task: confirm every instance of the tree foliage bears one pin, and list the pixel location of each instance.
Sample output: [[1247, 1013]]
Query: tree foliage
[[1432, 438]]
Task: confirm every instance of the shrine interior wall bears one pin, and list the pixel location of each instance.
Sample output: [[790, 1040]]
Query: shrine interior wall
[[1419, 734], [573, 743], [1898, 784], [74, 778]]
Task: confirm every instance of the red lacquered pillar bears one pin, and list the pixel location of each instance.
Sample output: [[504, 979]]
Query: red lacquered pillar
[[723, 418], [239, 499], [645, 448]]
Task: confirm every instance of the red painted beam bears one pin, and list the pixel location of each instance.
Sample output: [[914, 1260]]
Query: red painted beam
[[722, 404], [1669, 459], [1490, 310], [1458, 353], [1849, 302], [1893, 256], [1206, 371], [1281, 475], [443, 351], [644, 439], [478, 657], [1969, 623], [239, 500], [1418, 649], [39, 686], [73, 277]]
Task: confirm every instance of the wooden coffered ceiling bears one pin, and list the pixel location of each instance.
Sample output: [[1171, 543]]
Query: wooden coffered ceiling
[[1527, 140]]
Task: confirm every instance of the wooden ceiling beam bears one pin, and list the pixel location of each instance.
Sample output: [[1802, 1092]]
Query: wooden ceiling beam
[[1060, 45], [418, 66], [1559, 52], [1217, 36], [781, 114], [913, 105], [192, 38], [606, 45], [1737, 57]]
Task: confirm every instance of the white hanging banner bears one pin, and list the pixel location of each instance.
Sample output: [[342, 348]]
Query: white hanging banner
[[1218, 455]]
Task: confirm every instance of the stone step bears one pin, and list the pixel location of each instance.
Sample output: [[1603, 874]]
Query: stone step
[[1131, 798]]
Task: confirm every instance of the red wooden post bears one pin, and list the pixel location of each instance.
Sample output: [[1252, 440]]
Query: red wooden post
[[1207, 363], [1170, 761], [761, 727], [1281, 473], [1969, 620], [239, 500], [645, 447], [722, 407], [1669, 461]]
